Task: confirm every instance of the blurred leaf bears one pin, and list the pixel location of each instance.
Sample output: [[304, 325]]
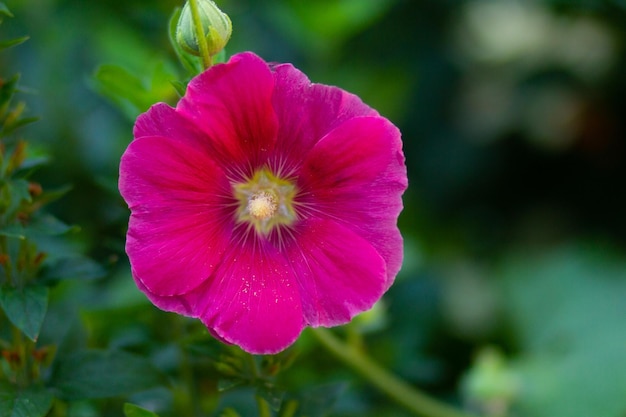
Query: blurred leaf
[[30, 402], [73, 268], [101, 374], [568, 308], [16, 191], [37, 226], [318, 401], [5, 10], [327, 23], [13, 42], [273, 395], [132, 410], [224, 384], [46, 225], [7, 89], [134, 95], [34, 161], [180, 87], [49, 196], [125, 89], [9, 128], [25, 307], [229, 412]]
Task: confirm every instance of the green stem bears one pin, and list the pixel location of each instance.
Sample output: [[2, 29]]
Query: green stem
[[187, 396], [207, 60], [405, 395]]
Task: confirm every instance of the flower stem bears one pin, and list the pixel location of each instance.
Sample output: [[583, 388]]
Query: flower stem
[[402, 393], [207, 60]]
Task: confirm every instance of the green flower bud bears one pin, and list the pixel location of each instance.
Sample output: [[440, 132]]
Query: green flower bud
[[216, 27]]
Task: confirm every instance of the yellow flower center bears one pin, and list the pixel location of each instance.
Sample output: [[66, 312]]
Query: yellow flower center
[[262, 205], [265, 201]]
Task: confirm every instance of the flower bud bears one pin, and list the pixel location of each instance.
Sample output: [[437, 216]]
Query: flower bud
[[216, 27]]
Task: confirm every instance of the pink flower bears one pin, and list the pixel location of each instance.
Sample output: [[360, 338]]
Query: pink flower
[[263, 203]]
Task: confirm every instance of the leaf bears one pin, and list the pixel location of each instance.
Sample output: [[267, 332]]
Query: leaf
[[325, 24], [224, 384], [73, 268], [13, 42], [229, 412], [7, 89], [37, 226], [101, 374], [132, 410], [5, 10], [25, 307], [34, 161], [132, 93], [17, 192], [31, 402], [567, 307], [318, 401], [11, 127], [125, 89], [274, 396]]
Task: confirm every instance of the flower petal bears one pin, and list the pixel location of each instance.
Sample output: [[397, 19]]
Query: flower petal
[[356, 175], [231, 104], [339, 273], [307, 112], [253, 301], [163, 120], [181, 214]]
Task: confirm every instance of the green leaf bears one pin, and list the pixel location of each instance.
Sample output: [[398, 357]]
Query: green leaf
[[34, 161], [5, 10], [132, 410], [229, 412], [101, 374], [132, 93], [273, 395], [325, 24], [73, 268], [25, 307], [7, 89], [39, 225], [30, 402], [16, 192], [10, 128], [13, 42], [567, 308], [318, 401], [125, 89]]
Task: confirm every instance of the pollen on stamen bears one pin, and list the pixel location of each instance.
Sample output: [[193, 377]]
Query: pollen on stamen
[[262, 206]]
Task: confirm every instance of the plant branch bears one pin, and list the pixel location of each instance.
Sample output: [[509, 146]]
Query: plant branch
[[398, 390]]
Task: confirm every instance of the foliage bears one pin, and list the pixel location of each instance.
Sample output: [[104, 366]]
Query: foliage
[[510, 301]]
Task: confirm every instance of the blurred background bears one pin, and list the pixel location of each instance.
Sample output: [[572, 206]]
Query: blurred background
[[512, 298]]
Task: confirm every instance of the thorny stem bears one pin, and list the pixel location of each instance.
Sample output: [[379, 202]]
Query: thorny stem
[[402, 393], [207, 60]]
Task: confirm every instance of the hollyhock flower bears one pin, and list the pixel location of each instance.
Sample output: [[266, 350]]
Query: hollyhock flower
[[263, 203]]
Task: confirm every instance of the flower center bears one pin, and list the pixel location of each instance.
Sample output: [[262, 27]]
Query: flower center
[[262, 205], [265, 201]]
